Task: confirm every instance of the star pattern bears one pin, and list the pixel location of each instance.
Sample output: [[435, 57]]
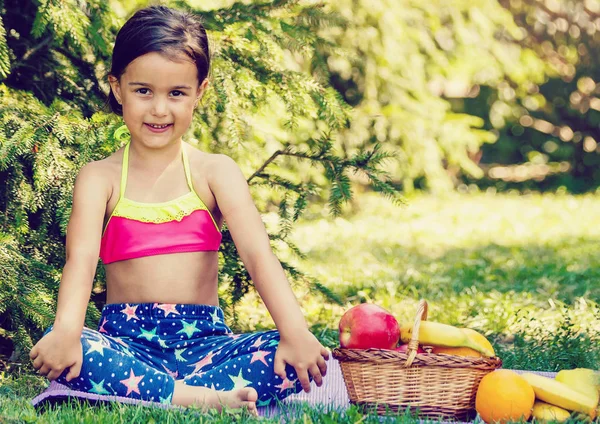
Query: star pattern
[[125, 349], [130, 312], [132, 383], [166, 400], [265, 402], [239, 381], [272, 343], [194, 346], [168, 308], [148, 335], [257, 342], [179, 355], [95, 346], [286, 384], [98, 388], [173, 374], [120, 341], [101, 328], [189, 329], [260, 355], [215, 317], [207, 360]]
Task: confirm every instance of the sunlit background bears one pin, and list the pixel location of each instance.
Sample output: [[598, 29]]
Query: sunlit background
[[481, 118]]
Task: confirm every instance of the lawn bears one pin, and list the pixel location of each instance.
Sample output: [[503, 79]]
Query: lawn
[[522, 269]]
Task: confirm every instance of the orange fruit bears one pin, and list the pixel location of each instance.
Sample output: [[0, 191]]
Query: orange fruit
[[478, 338], [458, 351], [504, 396]]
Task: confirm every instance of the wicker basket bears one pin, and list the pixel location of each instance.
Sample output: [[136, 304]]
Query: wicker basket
[[433, 385]]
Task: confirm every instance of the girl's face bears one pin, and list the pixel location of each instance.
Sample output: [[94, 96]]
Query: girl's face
[[158, 97]]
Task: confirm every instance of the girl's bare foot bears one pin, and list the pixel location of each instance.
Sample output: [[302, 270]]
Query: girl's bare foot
[[240, 398], [185, 395]]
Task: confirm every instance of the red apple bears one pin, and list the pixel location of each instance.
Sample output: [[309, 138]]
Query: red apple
[[367, 326], [404, 348]]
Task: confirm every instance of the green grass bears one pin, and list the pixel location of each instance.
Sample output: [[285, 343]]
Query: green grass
[[524, 270]]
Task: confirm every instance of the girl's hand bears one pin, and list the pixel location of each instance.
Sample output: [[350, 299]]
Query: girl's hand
[[302, 351], [55, 352]]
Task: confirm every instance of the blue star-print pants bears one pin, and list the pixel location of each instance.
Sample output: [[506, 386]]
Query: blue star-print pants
[[140, 350]]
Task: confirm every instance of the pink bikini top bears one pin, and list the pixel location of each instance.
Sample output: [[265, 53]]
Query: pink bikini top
[[137, 229]]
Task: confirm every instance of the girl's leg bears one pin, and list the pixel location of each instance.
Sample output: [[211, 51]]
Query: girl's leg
[[111, 368], [165, 336], [240, 361]]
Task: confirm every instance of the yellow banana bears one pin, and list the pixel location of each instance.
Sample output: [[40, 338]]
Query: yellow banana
[[480, 339], [559, 394], [583, 380], [437, 334], [543, 411]]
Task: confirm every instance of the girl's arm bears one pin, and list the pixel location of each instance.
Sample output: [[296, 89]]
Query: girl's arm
[[61, 348], [84, 231], [252, 242]]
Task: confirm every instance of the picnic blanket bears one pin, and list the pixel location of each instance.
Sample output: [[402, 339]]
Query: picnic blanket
[[331, 395]]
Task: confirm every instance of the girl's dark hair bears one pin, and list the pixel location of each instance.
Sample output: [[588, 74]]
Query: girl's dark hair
[[164, 30]]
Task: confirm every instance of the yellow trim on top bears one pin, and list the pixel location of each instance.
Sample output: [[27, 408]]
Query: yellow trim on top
[[174, 210]]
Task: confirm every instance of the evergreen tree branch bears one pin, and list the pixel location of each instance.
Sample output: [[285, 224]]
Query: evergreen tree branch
[[87, 69], [264, 165], [4, 53], [32, 50]]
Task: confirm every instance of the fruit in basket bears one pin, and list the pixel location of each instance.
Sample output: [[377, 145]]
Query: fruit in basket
[[404, 349], [504, 396], [367, 326], [556, 393], [444, 335], [475, 337], [479, 339], [583, 380], [457, 351], [543, 411]]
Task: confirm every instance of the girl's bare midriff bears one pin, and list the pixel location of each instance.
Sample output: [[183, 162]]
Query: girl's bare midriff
[[173, 278]]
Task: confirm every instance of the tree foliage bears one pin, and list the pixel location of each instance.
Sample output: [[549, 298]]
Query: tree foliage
[[54, 56], [550, 125], [409, 60]]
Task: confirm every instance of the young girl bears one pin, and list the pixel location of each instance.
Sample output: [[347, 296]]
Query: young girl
[[153, 211]]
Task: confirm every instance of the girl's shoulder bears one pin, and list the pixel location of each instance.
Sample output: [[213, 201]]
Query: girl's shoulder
[[103, 173], [209, 163], [107, 167]]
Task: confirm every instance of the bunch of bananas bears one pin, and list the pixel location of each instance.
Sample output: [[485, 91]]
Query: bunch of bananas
[[450, 340], [576, 390]]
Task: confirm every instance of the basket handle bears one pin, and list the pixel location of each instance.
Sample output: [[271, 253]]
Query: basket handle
[[413, 344]]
